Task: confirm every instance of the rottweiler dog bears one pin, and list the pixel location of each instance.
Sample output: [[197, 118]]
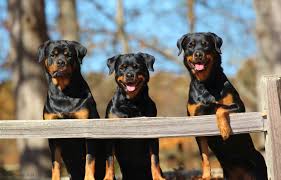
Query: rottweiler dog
[[69, 97], [138, 158], [210, 92]]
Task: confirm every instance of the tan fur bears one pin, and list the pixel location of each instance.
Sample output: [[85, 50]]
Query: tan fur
[[90, 168], [112, 116], [203, 75], [61, 82], [206, 167], [223, 122], [227, 100], [57, 165], [50, 116], [155, 168], [131, 95], [191, 108], [109, 170], [81, 114]]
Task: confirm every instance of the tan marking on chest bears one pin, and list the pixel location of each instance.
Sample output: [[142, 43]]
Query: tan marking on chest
[[192, 108], [227, 100], [50, 116], [112, 116], [61, 82], [81, 114]]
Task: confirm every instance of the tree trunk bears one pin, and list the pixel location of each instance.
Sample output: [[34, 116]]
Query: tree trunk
[[191, 14], [27, 31], [268, 35], [68, 23], [121, 33]]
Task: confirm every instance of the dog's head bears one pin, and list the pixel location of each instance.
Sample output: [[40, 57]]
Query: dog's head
[[61, 58], [201, 53], [131, 71]]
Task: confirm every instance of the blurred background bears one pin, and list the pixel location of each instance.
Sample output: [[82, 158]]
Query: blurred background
[[251, 31]]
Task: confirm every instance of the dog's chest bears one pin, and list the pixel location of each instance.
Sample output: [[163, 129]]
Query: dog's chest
[[202, 94], [65, 105], [132, 109]]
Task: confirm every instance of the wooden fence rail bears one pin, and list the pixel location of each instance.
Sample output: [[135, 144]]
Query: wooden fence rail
[[157, 127], [143, 127]]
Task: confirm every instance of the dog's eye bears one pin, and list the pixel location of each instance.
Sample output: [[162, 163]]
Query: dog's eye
[[135, 66], [123, 67], [52, 55], [67, 54], [204, 43], [191, 44]]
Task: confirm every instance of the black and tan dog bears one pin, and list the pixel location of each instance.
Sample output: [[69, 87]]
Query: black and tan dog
[[68, 97], [211, 93], [138, 158]]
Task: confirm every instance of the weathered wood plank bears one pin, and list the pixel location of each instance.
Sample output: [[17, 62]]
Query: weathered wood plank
[[143, 127], [273, 135]]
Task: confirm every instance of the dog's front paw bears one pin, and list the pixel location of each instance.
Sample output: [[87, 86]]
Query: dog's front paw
[[108, 178], [109, 175], [158, 178], [223, 123], [206, 171], [89, 177], [225, 131], [156, 175]]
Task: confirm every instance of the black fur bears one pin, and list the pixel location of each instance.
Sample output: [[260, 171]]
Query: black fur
[[237, 151], [133, 155], [75, 96]]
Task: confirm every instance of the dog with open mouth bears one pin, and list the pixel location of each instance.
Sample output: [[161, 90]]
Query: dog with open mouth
[[210, 92], [138, 158]]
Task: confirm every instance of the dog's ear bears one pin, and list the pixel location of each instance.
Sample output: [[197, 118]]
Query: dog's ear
[[179, 43], [41, 52], [111, 63], [81, 51], [217, 41], [149, 60]]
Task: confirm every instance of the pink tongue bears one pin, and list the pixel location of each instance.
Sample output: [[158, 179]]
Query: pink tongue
[[199, 67], [131, 88]]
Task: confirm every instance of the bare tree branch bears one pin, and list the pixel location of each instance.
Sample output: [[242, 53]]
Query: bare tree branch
[[100, 8], [155, 46]]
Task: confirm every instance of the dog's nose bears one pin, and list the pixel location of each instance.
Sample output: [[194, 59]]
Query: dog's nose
[[198, 55], [129, 75], [60, 63]]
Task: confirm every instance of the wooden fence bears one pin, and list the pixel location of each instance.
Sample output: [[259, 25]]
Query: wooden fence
[[268, 121]]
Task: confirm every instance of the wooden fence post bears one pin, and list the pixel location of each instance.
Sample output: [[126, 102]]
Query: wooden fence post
[[273, 134]]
